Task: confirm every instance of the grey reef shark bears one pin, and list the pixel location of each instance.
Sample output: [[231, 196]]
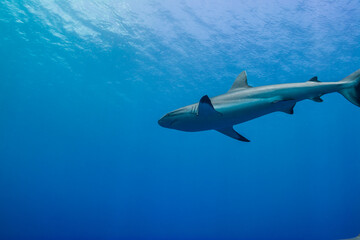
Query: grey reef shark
[[243, 103]]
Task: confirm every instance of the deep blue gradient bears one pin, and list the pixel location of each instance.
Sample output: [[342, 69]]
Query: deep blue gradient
[[83, 83]]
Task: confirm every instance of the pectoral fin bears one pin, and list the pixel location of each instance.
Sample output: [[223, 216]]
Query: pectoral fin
[[229, 131]]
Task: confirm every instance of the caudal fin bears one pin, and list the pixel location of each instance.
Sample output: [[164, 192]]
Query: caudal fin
[[351, 91]]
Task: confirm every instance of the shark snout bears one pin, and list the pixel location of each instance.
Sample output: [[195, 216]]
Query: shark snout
[[161, 122], [166, 121]]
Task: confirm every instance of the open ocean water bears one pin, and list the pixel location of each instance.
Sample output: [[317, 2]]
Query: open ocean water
[[83, 83]]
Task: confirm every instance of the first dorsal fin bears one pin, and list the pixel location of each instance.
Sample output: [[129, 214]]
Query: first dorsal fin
[[240, 82], [314, 79], [206, 108]]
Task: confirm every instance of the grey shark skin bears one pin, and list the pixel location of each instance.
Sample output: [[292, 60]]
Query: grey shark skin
[[243, 103]]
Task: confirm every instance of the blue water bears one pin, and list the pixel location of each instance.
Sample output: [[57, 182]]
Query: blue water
[[83, 83]]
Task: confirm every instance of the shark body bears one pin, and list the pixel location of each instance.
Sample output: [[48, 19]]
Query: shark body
[[243, 103]]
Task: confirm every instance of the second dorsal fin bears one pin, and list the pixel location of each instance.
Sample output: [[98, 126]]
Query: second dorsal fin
[[240, 82], [314, 79]]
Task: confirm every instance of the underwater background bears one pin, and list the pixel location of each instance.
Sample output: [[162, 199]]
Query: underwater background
[[83, 83]]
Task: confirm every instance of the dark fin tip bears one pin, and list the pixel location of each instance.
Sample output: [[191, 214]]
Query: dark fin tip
[[317, 99], [292, 109], [243, 139], [205, 99], [314, 79]]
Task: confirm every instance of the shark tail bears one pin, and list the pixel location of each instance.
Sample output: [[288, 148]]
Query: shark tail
[[351, 90]]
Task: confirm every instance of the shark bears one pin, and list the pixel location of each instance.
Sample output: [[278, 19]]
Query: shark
[[243, 103]]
